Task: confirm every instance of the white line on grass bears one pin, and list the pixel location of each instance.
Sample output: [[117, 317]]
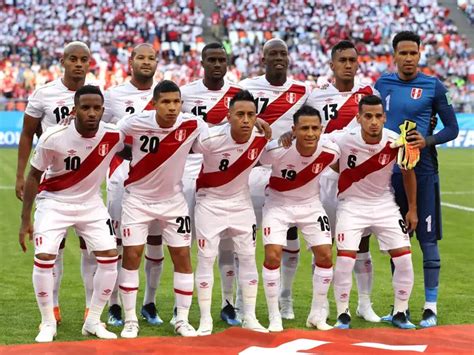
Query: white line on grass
[[458, 207], [457, 192]]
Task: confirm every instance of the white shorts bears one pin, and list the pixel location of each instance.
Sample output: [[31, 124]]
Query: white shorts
[[115, 192], [310, 218], [384, 220], [171, 216], [216, 219], [90, 220], [258, 180]]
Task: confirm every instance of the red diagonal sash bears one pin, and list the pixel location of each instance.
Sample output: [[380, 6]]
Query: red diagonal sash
[[304, 176], [219, 178], [167, 147], [374, 163], [217, 113], [283, 103], [86, 167], [117, 160], [347, 111]]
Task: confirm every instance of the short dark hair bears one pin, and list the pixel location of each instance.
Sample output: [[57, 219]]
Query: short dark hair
[[134, 51], [242, 95], [342, 45], [165, 86], [405, 36], [305, 110], [212, 45], [371, 100], [85, 90]]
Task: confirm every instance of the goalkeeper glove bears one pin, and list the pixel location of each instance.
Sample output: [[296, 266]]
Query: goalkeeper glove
[[407, 156]]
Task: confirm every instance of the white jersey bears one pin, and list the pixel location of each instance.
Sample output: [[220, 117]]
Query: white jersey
[[158, 154], [295, 178], [211, 105], [124, 100], [339, 109], [75, 166], [365, 169], [227, 164], [50, 103], [277, 104]]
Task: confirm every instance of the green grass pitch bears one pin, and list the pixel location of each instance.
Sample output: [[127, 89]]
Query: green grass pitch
[[20, 316]]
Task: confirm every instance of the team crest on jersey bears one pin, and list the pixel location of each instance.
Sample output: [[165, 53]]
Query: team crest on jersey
[[416, 93], [103, 149], [201, 243], [291, 97], [316, 168], [252, 154], [358, 97], [340, 237], [227, 101], [384, 159], [180, 135], [266, 231]]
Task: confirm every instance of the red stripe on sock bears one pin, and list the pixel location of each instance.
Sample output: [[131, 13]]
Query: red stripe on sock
[[405, 252], [181, 292], [128, 289], [322, 266], [270, 267], [107, 261], [291, 251], [44, 266], [347, 254], [155, 260]]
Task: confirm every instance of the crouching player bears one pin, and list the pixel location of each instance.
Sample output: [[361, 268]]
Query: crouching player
[[76, 159], [292, 199], [224, 208], [367, 202]]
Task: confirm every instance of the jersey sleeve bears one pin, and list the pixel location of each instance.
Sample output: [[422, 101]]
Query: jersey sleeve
[[125, 126], [201, 143], [442, 106], [333, 148], [268, 155], [108, 116], [35, 106], [42, 155]]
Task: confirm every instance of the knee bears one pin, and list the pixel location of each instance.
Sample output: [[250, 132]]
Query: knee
[[272, 258], [106, 253], [45, 257], [131, 257], [324, 259]]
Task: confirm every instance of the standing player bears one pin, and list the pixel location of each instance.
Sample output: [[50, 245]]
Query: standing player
[[75, 159], [121, 101], [338, 103], [293, 200], [46, 107], [224, 207], [409, 94], [162, 140], [209, 98], [367, 202], [277, 98]]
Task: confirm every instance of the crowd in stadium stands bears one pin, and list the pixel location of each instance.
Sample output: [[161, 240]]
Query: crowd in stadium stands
[[34, 33], [32, 39], [312, 27], [468, 7]]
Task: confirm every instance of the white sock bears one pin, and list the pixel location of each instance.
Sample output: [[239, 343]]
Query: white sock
[[322, 278], [289, 263], [204, 284], [226, 268], [183, 291], [104, 282], [271, 286], [343, 282], [402, 281], [432, 306], [153, 269], [238, 292], [43, 283], [58, 275], [248, 279], [128, 288], [364, 277], [88, 270], [114, 297]]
